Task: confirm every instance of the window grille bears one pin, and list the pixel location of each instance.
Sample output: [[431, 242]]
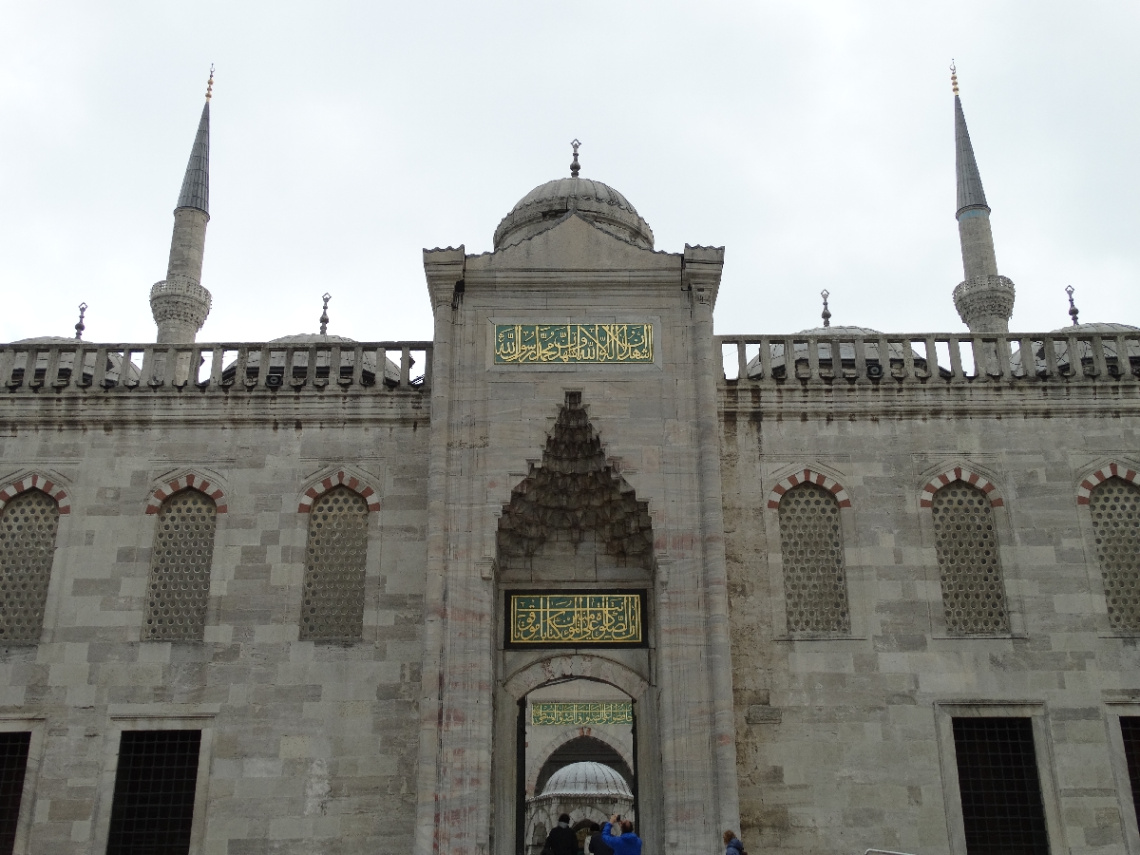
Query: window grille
[[1115, 508], [1002, 809], [27, 547], [333, 605], [183, 551], [1130, 731], [973, 594], [811, 542], [13, 763], [153, 806]]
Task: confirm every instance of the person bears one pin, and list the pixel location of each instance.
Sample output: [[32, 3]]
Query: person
[[594, 843], [561, 840], [625, 842], [732, 844]]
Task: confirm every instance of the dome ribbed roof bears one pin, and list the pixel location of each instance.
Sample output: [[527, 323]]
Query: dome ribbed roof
[[587, 779], [599, 203]]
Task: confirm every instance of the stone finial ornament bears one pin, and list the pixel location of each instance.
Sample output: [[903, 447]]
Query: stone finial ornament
[[574, 167], [325, 313], [80, 327], [210, 84], [1073, 311], [953, 76], [826, 314]]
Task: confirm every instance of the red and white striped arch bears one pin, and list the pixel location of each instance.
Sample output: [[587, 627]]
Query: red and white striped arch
[[809, 476], [36, 481], [189, 481], [338, 479], [960, 473], [1112, 470]]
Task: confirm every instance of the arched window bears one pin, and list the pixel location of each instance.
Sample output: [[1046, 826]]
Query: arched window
[[1115, 508], [333, 596], [811, 542], [179, 589], [973, 593], [28, 526]]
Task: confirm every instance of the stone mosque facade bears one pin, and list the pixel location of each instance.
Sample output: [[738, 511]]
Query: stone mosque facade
[[836, 589]]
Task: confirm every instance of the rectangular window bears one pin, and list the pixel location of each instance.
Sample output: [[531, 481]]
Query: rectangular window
[[13, 763], [153, 807], [1002, 808], [1130, 732]]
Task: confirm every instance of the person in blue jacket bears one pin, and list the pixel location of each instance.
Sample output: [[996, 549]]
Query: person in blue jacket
[[732, 844], [625, 842]]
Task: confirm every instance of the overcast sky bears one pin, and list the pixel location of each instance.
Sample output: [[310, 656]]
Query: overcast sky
[[814, 140]]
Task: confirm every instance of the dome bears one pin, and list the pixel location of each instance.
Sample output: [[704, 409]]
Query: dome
[[1102, 328], [301, 358], [587, 779], [895, 352], [548, 203]]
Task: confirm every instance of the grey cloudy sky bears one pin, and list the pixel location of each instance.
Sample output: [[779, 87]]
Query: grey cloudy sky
[[814, 140]]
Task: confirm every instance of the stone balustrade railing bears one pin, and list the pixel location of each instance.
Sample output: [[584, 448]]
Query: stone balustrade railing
[[89, 368], [932, 358]]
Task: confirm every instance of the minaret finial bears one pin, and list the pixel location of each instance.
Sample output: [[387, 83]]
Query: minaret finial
[[210, 84], [1073, 311], [325, 313], [826, 314], [80, 327], [953, 76], [574, 167]]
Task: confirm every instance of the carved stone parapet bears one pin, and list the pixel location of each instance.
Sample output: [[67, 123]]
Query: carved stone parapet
[[180, 307], [985, 303]]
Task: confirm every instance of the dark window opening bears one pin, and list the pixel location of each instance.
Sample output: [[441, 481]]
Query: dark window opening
[[1130, 730], [153, 806], [1002, 808], [13, 763]]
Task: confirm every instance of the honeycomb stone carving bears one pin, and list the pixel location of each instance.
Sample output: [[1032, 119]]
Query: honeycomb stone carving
[[811, 542], [333, 596], [179, 589], [1115, 508], [27, 545], [573, 495], [973, 593]]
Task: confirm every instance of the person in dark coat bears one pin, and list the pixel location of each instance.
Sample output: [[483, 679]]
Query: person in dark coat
[[625, 842], [561, 840], [732, 844]]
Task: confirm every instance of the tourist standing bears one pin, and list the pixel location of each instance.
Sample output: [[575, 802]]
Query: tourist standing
[[625, 842], [561, 840]]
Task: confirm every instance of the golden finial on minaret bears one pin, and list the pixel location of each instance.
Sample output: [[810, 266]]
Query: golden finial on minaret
[[954, 77], [210, 83]]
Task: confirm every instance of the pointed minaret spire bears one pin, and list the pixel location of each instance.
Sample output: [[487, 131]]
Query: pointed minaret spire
[[179, 303], [984, 300]]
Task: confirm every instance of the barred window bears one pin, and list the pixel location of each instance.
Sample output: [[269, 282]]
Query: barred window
[[811, 542], [179, 588], [28, 526], [152, 810], [1003, 812], [1115, 508], [13, 764], [973, 593], [333, 595]]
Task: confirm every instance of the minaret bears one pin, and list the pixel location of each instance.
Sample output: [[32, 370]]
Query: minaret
[[984, 300], [179, 303]]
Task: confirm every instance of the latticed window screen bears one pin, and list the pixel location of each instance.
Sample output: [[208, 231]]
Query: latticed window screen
[[1130, 731], [333, 605], [1115, 508], [811, 543], [153, 807], [13, 763], [179, 590], [27, 546], [1002, 808], [973, 593]]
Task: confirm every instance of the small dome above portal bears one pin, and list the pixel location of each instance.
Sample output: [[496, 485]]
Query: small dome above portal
[[587, 778], [594, 201]]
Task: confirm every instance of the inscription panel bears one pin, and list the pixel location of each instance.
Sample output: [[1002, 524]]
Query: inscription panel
[[581, 713], [575, 619], [573, 344]]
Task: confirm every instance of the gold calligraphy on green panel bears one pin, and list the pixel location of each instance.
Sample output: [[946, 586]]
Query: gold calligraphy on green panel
[[531, 344], [574, 714], [575, 619]]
